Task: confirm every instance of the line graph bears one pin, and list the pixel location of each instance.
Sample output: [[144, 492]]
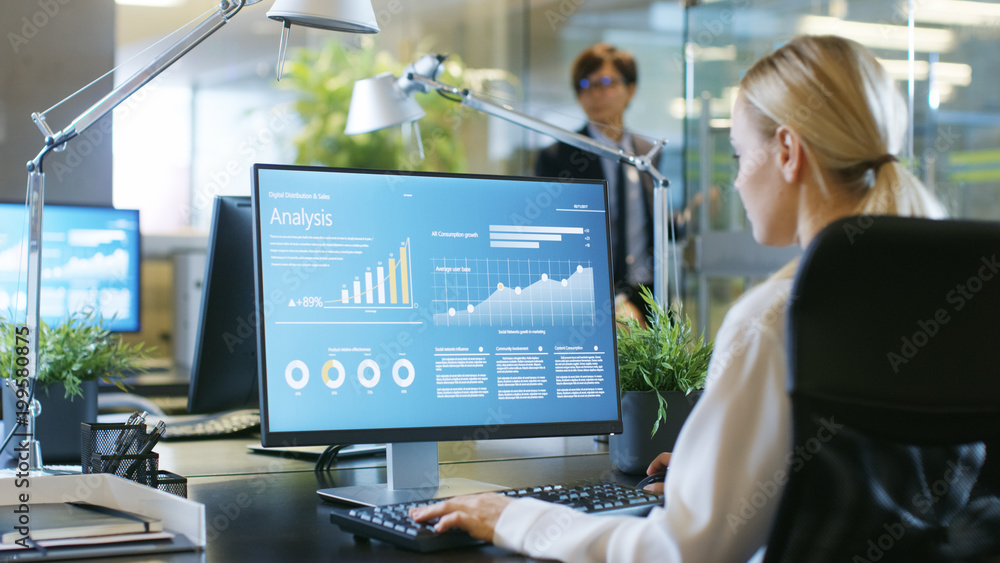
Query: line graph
[[512, 292]]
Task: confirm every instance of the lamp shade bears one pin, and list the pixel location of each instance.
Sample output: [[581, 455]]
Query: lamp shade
[[352, 16], [377, 103]]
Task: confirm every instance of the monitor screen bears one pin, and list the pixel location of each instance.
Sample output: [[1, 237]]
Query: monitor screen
[[413, 307], [90, 260], [224, 370]]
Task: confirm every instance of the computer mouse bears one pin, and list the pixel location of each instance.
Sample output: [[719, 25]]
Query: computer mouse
[[658, 477]]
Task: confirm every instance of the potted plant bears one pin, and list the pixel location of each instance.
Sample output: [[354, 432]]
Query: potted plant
[[662, 366], [73, 357]]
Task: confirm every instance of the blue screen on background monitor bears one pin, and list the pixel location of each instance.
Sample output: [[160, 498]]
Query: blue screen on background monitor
[[400, 307], [90, 260]]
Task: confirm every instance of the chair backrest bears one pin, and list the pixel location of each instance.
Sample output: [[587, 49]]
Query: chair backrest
[[894, 376]]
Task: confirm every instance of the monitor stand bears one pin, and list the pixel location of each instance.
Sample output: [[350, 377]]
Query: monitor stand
[[413, 475]]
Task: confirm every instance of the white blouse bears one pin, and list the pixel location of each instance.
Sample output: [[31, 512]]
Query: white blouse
[[728, 469]]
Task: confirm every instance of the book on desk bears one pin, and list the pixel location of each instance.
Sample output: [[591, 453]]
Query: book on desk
[[24, 523], [183, 520]]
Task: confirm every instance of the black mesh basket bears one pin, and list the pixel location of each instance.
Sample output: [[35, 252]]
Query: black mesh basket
[[172, 483], [141, 468], [108, 439]]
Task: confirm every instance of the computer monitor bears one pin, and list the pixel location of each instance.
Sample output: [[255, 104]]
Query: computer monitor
[[224, 369], [412, 308], [90, 260]]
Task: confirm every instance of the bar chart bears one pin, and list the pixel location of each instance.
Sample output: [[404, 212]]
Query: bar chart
[[386, 282]]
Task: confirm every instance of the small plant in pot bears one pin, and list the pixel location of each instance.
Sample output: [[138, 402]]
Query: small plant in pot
[[73, 356], [662, 367]]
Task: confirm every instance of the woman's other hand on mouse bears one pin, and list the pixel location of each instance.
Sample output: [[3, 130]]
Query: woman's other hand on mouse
[[659, 465]]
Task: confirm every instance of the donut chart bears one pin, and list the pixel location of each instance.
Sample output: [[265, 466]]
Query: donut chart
[[341, 374], [290, 370], [376, 373]]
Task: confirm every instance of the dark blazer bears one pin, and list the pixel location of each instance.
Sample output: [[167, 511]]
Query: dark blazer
[[560, 160]]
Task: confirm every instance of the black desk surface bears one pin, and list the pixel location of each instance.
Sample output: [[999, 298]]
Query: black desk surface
[[265, 508]]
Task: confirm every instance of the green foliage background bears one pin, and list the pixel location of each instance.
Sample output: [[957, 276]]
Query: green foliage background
[[324, 80]]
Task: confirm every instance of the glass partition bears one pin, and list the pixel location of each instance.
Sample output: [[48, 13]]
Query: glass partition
[[938, 50], [690, 56]]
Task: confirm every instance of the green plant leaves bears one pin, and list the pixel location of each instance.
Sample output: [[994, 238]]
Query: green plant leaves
[[76, 350], [664, 355]]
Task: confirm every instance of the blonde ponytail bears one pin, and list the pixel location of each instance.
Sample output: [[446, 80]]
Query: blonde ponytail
[[850, 116], [896, 191]]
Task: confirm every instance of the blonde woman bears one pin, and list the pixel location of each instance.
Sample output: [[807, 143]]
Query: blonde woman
[[815, 129]]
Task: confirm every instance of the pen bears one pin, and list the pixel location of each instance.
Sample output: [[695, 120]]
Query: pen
[[125, 440], [133, 420], [147, 448], [154, 437]]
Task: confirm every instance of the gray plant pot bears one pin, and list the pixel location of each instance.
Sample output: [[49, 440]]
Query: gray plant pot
[[57, 427], [633, 449]]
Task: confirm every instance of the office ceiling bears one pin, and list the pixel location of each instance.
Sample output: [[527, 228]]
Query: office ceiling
[[250, 40]]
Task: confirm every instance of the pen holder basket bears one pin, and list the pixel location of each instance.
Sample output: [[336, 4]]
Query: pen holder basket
[[108, 439], [171, 483], [141, 468], [114, 448]]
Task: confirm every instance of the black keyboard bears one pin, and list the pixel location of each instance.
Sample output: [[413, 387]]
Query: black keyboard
[[187, 427], [391, 523]]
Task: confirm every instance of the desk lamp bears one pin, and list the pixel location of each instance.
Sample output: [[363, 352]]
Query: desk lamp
[[385, 100], [356, 16]]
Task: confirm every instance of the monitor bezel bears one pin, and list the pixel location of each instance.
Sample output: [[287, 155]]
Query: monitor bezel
[[492, 429]]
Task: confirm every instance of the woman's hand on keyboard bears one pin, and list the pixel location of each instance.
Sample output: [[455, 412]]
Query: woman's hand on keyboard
[[476, 514]]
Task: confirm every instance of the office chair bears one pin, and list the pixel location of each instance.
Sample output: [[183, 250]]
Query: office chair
[[894, 376]]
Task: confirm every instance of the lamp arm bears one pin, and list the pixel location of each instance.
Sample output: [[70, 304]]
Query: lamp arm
[[36, 194], [227, 9], [642, 163], [662, 230]]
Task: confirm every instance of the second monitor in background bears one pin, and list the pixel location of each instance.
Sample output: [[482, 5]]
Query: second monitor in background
[[90, 261], [224, 371]]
